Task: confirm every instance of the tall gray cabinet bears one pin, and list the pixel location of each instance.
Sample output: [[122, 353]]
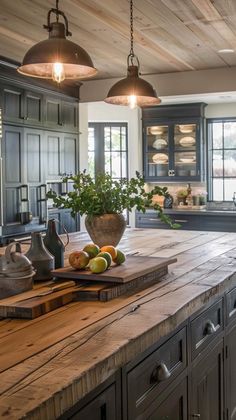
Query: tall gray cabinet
[[39, 144]]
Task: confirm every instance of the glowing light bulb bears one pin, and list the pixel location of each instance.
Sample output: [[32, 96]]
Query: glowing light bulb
[[58, 72], [132, 101]]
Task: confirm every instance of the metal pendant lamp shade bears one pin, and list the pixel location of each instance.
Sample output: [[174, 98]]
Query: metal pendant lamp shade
[[57, 58], [124, 91], [132, 90]]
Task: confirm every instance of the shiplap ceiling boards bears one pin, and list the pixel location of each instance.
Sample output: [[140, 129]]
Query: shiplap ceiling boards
[[170, 35]]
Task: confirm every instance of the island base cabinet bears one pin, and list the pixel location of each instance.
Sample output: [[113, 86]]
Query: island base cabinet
[[101, 408], [230, 370], [206, 384], [172, 407]]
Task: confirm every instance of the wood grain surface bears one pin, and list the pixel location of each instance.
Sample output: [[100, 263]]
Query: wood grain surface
[[170, 35], [133, 268], [35, 353]]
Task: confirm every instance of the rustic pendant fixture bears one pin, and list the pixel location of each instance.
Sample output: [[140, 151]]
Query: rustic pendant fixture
[[57, 58], [132, 90]]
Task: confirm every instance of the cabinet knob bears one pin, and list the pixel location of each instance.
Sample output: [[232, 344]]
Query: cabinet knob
[[160, 373], [209, 328]]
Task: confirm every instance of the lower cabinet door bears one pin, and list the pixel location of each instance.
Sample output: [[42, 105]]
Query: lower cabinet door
[[174, 407], [230, 369], [102, 407], [207, 385]]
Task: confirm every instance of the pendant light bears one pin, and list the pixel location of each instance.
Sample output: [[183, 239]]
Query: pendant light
[[57, 58], [132, 90]]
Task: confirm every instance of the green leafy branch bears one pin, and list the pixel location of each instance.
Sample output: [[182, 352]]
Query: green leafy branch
[[105, 195]]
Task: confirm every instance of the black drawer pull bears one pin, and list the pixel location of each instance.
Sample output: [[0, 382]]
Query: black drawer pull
[[209, 328], [160, 373]]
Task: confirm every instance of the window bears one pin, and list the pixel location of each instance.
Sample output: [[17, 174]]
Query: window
[[221, 159], [107, 149]]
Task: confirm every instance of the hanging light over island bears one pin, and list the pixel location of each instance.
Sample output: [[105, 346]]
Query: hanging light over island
[[132, 90], [57, 58]]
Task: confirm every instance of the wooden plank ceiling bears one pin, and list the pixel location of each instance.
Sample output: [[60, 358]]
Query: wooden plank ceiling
[[170, 35]]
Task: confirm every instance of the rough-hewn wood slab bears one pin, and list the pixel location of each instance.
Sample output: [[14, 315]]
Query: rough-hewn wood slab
[[69, 344], [133, 268]]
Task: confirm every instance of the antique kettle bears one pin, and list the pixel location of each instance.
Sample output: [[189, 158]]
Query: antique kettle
[[16, 272]]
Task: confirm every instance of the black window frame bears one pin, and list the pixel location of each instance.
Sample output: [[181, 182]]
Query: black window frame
[[99, 151], [209, 160]]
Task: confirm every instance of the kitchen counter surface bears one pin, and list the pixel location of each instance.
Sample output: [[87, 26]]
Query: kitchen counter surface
[[206, 212], [48, 364]]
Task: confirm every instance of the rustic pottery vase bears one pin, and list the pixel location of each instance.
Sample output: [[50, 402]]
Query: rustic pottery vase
[[106, 229]]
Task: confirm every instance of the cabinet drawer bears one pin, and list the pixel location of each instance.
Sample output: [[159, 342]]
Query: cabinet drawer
[[206, 327], [146, 380], [231, 305]]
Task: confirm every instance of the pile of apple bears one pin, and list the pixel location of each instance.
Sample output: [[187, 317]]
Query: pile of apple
[[96, 259]]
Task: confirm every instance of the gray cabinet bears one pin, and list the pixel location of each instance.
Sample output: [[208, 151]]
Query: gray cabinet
[[104, 403], [147, 380], [61, 154], [190, 374], [33, 108], [66, 221], [173, 143], [33, 104], [101, 408], [173, 405], [61, 114], [206, 382], [13, 104], [230, 352], [206, 222], [22, 173], [40, 143]]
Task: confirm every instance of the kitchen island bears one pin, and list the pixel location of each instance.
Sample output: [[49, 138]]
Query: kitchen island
[[49, 364]]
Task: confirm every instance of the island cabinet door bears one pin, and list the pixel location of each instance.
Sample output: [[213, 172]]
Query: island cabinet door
[[174, 406], [206, 385], [230, 352], [102, 407], [230, 370]]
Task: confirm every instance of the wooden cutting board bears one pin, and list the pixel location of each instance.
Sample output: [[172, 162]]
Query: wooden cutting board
[[37, 302], [134, 267]]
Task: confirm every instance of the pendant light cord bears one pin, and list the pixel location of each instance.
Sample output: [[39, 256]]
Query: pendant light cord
[[57, 8], [131, 30], [132, 56]]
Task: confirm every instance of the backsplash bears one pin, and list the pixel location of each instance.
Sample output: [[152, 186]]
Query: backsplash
[[196, 187]]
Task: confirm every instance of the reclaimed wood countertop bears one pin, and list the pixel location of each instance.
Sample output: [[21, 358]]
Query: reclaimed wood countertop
[[48, 364]]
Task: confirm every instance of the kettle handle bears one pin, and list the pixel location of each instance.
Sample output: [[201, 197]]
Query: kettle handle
[[67, 234], [8, 252]]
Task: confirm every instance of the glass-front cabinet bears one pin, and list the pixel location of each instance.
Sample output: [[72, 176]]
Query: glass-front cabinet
[[172, 148]]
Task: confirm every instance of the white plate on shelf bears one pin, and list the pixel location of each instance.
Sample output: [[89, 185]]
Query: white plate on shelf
[[187, 159], [159, 144], [155, 130], [160, 158], [187, 141], [186, 128]]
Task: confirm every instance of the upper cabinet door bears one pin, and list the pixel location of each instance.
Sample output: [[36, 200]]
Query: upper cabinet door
[[173, 143], [186, 151], [33, 104], [53, 112], [13, 104], [70, 115], [156, 152]]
